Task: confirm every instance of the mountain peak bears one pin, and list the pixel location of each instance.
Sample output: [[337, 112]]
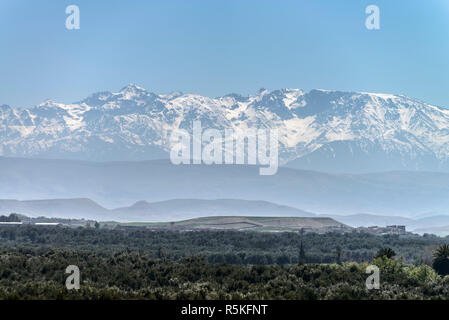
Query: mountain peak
[[262, 91], [141, 203], [172, 95], [132, 87], [47, 102], [50, 104], [131, 91]]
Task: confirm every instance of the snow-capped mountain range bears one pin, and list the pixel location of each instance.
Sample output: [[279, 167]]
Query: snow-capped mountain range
[[320, 129]]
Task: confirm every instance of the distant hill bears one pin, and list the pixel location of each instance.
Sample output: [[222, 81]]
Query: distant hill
[[145, 211], [269, 224], [438, 225], [61, 208], [442, 231], [185, 209], [118, 184], [192, 208], [434, 224], [367, 220]]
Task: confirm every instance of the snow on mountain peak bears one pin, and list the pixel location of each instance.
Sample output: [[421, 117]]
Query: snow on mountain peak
[[134, 124], [132, 88], [48, 103]]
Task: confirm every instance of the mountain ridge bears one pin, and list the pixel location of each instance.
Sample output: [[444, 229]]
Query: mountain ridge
[[323, 130], [179, 210], [144, 211], [117, 184]]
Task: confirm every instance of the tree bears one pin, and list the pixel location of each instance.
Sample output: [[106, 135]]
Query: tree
[[302, 254], [13, 217], [97, 225], [385, 252], [422, 273], [441, 260], [338, 251]]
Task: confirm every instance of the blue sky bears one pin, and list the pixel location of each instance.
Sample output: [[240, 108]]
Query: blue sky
[[214, 47]]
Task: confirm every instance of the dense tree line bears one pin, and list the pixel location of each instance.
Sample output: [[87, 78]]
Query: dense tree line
[[141, 264], [232, 247], [13, 217], [36, 274]]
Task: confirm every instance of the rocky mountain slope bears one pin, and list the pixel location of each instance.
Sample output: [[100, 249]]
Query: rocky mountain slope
[[320, 129]]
